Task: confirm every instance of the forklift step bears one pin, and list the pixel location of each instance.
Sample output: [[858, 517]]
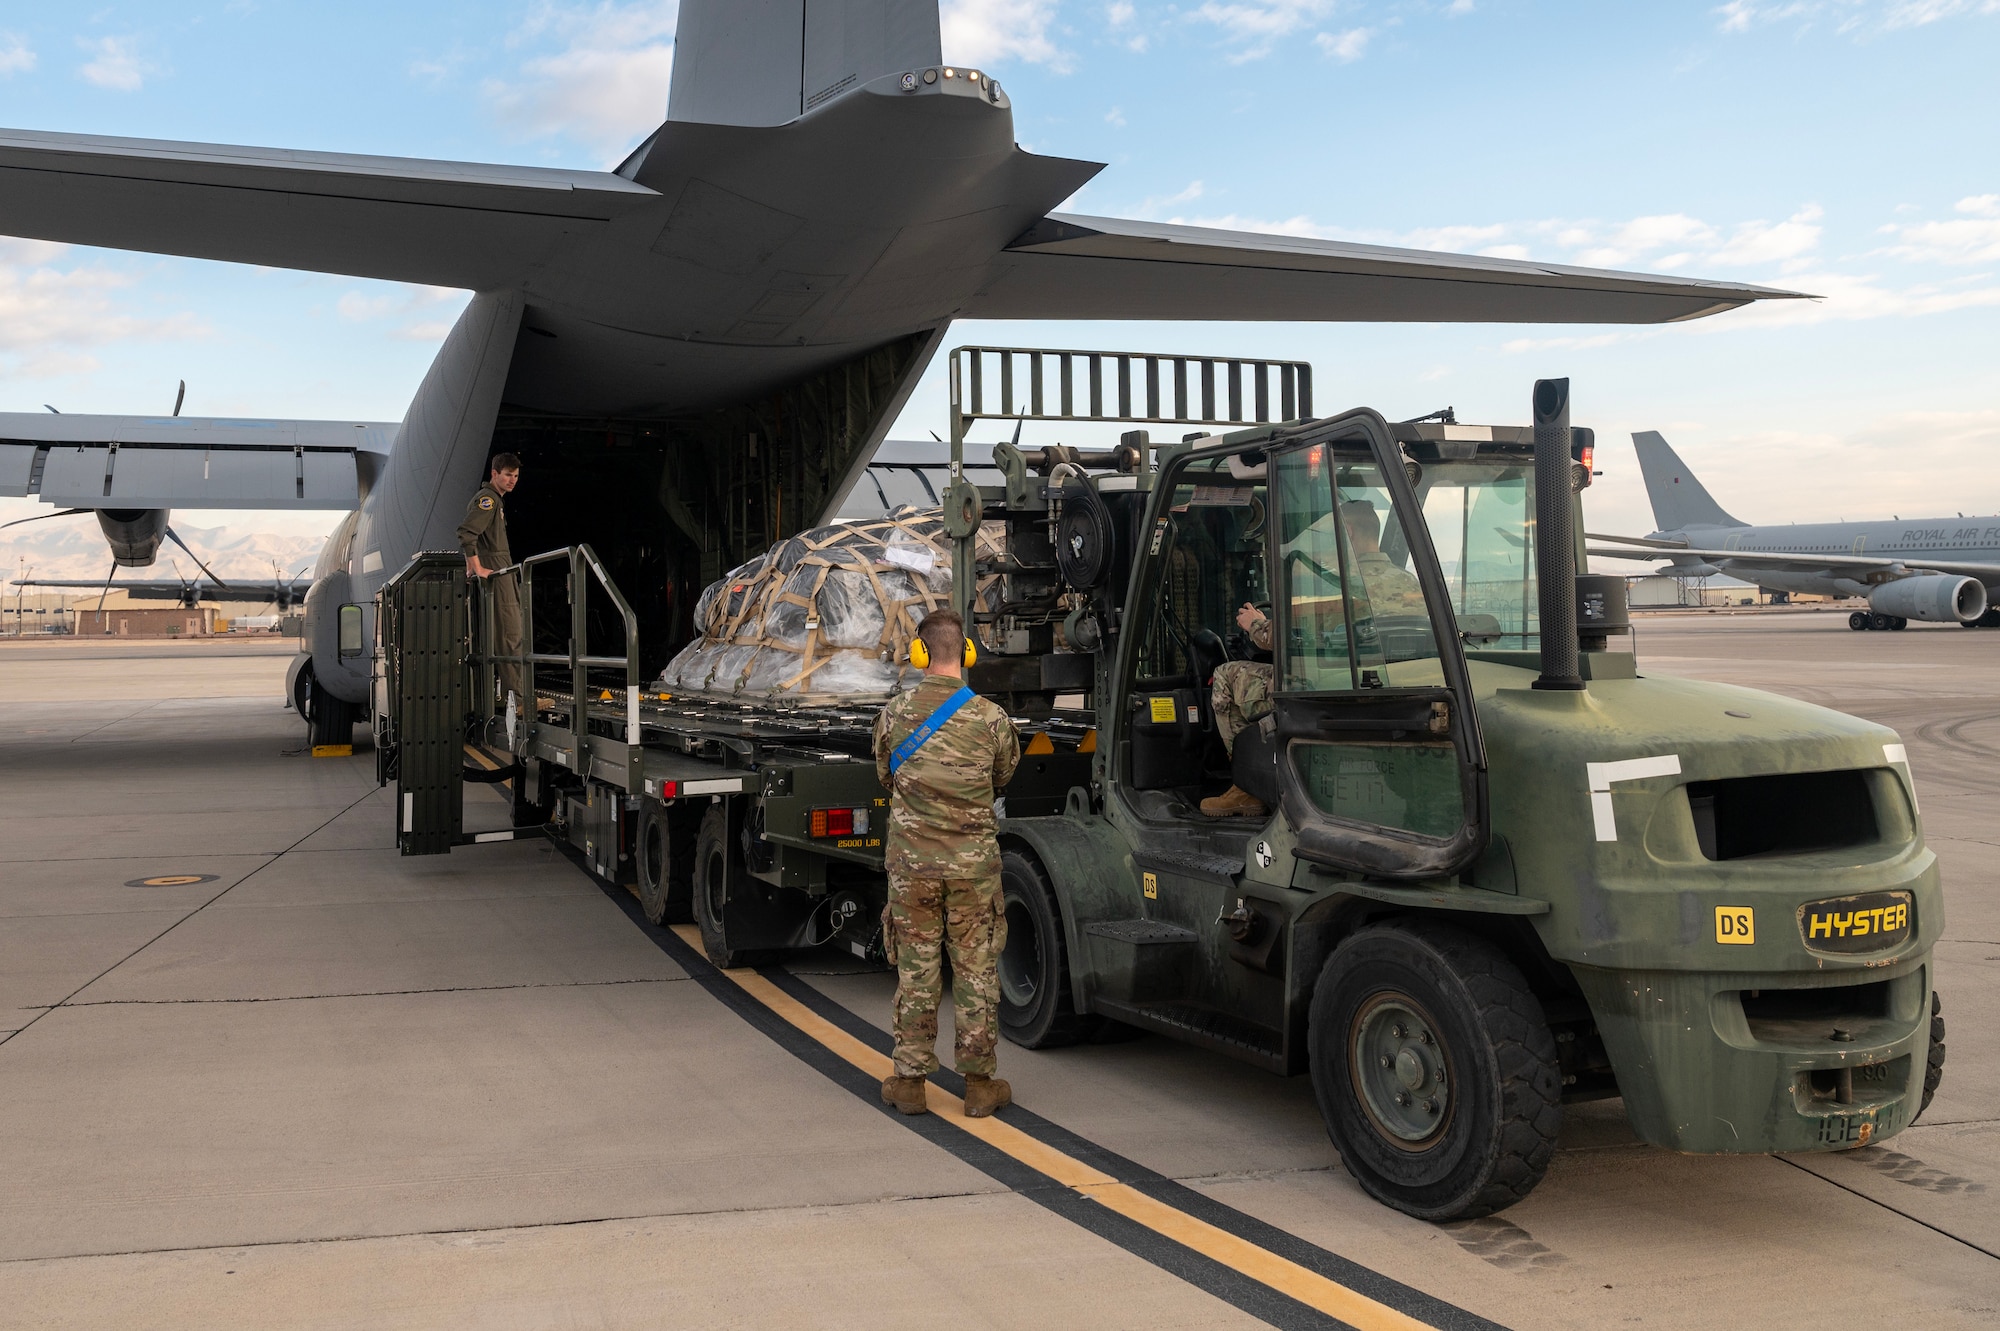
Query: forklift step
[[1191, 862], [1140, 932], [1221, 1031]]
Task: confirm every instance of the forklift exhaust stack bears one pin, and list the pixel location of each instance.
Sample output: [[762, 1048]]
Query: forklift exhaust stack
[[1555, 538]]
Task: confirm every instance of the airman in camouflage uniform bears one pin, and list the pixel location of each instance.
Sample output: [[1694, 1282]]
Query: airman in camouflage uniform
[[943, 863], [1241, 691]]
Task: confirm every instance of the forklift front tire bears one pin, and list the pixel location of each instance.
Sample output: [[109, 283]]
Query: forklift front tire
[[1036, 1010], [1435, 1070]]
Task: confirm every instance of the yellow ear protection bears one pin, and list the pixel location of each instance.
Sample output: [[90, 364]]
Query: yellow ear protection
[[920, 652]]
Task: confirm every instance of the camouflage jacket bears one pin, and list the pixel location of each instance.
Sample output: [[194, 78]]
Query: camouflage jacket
[[484, 531], [941, 822]]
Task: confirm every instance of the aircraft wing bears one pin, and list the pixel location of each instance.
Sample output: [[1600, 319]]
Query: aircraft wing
[[1838, 566], [1073, 267], [174, 589], [189, 461], [407, 219]]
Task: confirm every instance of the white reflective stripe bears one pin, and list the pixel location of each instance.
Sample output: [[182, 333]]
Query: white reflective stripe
[[409, 809], [731, 786], [1628, 769], [493, 836], [631, 713], [1896, 753]]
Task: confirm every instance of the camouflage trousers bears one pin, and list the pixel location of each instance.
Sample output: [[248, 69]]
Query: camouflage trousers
[[926, 916], [1241, 693]]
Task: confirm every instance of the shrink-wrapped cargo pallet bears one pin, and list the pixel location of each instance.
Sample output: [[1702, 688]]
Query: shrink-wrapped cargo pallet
[[827, 615]]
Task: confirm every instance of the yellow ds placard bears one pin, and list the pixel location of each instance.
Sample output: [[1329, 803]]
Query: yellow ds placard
[[1735, 924], [1163, 711], [1151, 883]]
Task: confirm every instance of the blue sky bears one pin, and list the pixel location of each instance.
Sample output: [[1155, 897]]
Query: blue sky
[[1842, 147]]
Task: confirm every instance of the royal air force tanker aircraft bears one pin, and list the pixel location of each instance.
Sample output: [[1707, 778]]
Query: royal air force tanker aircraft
[[695, 353], [1941, 570]]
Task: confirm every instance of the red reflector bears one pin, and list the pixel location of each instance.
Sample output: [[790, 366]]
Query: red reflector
[[1589, 455], [669, 789], [817, 822], [840, 822]]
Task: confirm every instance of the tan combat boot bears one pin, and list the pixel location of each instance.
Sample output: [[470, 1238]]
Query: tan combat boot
[[985, 1094], [1234, 803], [905, 1093]]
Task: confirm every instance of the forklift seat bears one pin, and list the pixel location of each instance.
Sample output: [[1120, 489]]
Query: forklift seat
[[1254, 765]]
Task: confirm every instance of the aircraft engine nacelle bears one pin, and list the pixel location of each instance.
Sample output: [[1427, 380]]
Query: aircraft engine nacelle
[[134, 534], [1935, 598]]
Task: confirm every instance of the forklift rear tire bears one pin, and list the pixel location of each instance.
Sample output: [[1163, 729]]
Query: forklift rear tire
[[1036, 1007], [718, 870], [1934, 1063], [1435, 1070], [665, 889]]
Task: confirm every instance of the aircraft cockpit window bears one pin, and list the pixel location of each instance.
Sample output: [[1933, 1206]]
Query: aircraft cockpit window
[[350, 630]]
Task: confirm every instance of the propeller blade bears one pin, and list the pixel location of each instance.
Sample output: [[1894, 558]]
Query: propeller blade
[[180, 397], [52, 409], [65, 513], [1023, 420], [175, 537]]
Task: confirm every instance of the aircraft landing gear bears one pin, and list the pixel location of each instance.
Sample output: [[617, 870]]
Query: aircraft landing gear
[[1858, 621], [1868, 619]]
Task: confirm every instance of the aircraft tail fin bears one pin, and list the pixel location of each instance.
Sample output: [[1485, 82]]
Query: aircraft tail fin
[[1679, 500], [765, 62]]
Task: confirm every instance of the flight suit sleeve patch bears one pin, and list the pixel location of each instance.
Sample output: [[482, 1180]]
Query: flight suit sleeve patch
[[486, 501]]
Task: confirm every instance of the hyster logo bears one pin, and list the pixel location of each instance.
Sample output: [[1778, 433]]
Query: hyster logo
[[1868, 923], [1735, 924]]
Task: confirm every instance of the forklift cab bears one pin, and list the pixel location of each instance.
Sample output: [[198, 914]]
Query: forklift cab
[[1370, 746]]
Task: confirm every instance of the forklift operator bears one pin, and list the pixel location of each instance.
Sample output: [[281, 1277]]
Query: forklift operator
[[1241, 691]]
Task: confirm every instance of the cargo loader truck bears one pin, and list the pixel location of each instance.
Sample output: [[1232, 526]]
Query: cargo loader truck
[[1501, 867]]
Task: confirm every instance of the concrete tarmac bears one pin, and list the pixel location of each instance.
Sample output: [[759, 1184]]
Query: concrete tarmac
[[324, 1085]]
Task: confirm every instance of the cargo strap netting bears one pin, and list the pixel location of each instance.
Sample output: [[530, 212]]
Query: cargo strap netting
[[827, 614]]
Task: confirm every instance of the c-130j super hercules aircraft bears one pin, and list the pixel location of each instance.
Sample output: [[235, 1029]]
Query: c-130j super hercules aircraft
[[698, 352]]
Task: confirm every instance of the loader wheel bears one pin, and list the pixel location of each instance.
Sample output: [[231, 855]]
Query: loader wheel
[[1036, 1010], [718, 870], [1434, 1070], [1934, 1064], [665, 891]]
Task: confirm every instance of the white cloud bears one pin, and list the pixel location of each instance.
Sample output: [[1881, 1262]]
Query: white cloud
[[988, 32], [606, 86], [1115, 116], [1256, 28], [16, 56], [392, 300], [1973, 238], [1850, 16], [116, 65], [51, 316], [1345, 47]]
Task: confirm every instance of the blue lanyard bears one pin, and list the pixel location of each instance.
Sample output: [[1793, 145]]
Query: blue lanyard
[[931, 725]]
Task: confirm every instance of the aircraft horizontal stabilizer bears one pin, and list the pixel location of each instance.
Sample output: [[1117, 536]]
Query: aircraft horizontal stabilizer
[[1073, 267], [406, 219]]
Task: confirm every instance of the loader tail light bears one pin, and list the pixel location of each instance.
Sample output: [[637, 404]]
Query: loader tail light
[[838, 822]]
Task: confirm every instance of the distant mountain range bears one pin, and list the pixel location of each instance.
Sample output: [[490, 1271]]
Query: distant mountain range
[[74, 548]]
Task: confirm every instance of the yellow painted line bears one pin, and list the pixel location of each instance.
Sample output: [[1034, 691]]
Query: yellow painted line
[[1240, 1255], [482, 759]]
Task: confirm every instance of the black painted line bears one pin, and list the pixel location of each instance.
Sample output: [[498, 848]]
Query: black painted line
[[1224, 1282], [1341, 1270]]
